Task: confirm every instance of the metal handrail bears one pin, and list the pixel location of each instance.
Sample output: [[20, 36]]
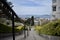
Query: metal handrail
[[13, 14]]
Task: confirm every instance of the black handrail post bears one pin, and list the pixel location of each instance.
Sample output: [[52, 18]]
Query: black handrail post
[[13, 30]]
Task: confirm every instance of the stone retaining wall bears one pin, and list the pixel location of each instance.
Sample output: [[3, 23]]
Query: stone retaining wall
[[3, 35], [48, 37]]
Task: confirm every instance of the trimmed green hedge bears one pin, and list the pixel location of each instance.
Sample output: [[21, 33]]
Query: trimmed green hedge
[[52, 28], [7, 29], [4, 28]]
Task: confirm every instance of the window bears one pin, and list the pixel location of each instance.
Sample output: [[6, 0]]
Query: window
[[59, 8], [54, 8], [53, 15], [54, 1]]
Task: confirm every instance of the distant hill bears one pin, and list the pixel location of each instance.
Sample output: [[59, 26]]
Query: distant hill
[[36, 16]]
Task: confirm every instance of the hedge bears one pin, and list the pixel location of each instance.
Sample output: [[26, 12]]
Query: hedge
[[8, 29], [52, 28]]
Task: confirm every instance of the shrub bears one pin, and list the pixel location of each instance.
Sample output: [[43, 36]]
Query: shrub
[[8, 29], [52, 28], [4, 28], [19, 28], [38, 29], [58, 30]]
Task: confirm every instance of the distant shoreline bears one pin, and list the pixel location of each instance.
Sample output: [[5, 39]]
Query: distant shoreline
[[36, 16]]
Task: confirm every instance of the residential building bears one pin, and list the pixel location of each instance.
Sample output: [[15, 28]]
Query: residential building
[[44, 21], [55, 9], [41, 21], [35, 22]]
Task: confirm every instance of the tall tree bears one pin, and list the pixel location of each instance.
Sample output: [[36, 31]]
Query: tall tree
[[32, 20], [10, 4], [27, 22]]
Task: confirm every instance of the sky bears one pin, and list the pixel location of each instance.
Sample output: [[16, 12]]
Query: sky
[[32, 7]]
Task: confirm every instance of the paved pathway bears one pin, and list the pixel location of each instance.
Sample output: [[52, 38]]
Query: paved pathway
[[32, 36]]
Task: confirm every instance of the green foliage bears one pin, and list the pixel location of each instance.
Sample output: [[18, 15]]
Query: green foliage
[[7, 29], [20, 28], [52, 28], [32, 20], [38, 28], [4, 28], [27, 22]]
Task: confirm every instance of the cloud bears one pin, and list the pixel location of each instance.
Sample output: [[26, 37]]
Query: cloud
[[31, 10], [34, 7], [32, 2]]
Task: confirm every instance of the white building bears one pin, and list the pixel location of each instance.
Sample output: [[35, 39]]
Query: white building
[[41, 21], [44, 21], [35, 22], [56, 9]]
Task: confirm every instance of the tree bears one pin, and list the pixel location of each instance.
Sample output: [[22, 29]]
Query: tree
[[27, 22], [32, 20], [10, 4], [5, 0]]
